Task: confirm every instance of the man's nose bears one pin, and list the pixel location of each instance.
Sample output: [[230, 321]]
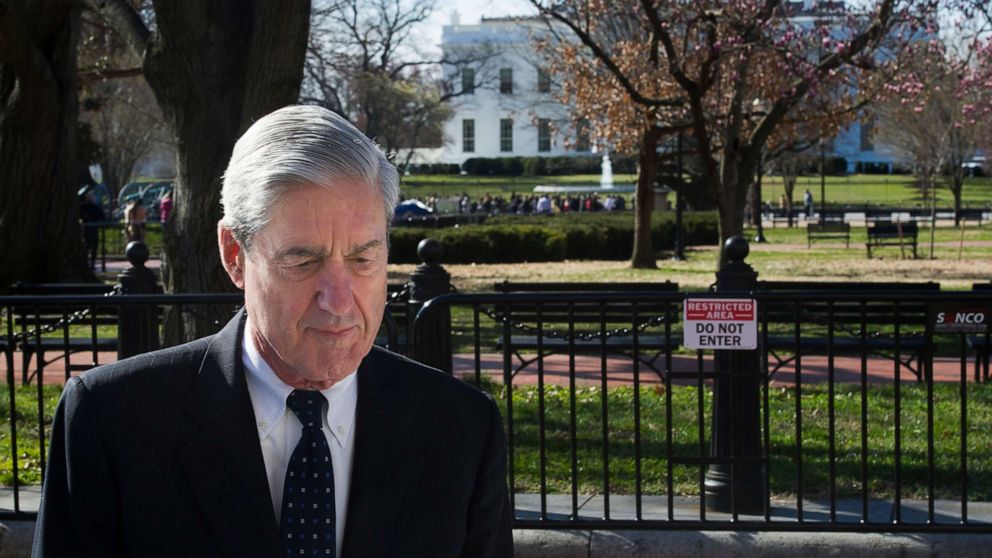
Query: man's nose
[[334, 292]]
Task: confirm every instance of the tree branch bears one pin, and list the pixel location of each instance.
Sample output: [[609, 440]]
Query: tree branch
[[112, 73], [607, 61], [126, 21]]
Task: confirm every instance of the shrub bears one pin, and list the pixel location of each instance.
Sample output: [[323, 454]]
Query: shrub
[[540, 166], [602, 236], [535, 166], [868, 167]]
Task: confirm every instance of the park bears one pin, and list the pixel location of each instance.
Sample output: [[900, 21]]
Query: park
[[730, 293]]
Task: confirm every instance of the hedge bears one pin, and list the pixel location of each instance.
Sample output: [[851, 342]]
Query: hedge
[[546, 166], [538, 238], [433, 168]]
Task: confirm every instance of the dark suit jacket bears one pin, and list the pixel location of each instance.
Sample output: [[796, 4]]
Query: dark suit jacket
[[158, 455]]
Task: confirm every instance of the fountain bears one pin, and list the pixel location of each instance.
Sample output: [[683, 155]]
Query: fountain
[[606, 178], [605, 182]]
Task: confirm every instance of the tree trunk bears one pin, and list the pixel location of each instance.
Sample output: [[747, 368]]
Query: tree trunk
[[643, 255], [956, 186], [790, 188], [215, 68], [731, 203], [39, 212], [736, 172]]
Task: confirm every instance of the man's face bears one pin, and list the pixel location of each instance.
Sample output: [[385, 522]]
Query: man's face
[[315, 281]]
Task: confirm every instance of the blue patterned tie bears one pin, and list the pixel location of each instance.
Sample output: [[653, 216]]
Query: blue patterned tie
[[308, 497]]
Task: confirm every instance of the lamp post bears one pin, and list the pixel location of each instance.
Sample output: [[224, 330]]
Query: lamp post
[[679, 233], [758, 108], [759, 235], [823, 181]]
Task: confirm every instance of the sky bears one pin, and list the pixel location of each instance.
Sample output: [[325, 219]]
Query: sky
[[469, 12]]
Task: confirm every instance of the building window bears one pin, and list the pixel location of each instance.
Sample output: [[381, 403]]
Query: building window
[[543, 81], [506, 81], [468, 136], [543, 135], [468, 80], [506, 134], [582, 135], [867, 131]]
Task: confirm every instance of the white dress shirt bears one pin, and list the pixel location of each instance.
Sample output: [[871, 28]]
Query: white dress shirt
[[279, 430]]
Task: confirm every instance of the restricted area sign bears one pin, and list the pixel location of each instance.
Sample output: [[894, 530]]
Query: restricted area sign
[[720, 323]]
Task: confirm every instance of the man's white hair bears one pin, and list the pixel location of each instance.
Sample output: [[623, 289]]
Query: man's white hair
[[293, 147]]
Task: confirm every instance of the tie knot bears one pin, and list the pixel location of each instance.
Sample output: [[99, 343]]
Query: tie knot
[[307, 404]]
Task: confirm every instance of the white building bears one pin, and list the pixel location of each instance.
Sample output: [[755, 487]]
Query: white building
[[513, 109]]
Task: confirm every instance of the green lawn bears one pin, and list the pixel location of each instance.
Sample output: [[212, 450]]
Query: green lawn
[[855, 189], [880, 402], [477, 186], [28, 447], [899, 190], [815, 453]]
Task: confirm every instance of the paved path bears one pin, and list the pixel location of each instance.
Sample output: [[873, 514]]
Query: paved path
[[619, 370], [558, 507]]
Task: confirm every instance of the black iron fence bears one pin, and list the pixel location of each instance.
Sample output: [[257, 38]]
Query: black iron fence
[[612, 423], [859, 409]]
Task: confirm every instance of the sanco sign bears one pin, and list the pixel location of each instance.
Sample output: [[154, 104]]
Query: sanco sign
[[720, 323], [959, 317]]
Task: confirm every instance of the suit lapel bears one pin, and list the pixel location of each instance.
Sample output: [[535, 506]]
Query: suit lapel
[[388, 458], [224, 460]]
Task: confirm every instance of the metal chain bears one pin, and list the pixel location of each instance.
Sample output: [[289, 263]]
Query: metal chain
[[821, 320], [63, 322], [400, 294]]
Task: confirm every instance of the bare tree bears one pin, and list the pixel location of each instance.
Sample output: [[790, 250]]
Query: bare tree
[[117, 105], [215, 66], [39, 219], [363, 63], [700, 66], [126, 122], [928, 121]]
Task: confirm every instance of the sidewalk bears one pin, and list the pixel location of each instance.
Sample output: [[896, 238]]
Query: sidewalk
[[685, 508], [619, 370]]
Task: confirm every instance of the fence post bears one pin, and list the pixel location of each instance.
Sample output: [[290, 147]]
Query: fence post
[[426, 282], [736, 432], [137, 326]]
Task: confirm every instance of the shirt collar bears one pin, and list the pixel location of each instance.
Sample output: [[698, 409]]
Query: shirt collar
[[269, 393]]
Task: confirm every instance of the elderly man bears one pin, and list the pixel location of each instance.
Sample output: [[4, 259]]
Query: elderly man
[[287, 433]]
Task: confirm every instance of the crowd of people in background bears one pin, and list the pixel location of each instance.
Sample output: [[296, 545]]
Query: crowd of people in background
[[523, 204]]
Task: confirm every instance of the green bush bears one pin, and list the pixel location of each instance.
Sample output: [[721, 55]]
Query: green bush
[[433, 168], [509, 239], [546, 166], [535, 166]]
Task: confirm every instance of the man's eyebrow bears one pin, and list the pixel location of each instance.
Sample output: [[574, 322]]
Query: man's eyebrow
[[364, 247], [298, 252]]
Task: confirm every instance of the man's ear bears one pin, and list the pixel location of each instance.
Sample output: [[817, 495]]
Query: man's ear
[[232, 255]]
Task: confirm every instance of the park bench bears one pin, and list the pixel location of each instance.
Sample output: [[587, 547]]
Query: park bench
[[588, 320], [56, 337], [973, 214], [892, 234], [876, 317], [45, 329], [820, 231], [980, 343], [781, 215]]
